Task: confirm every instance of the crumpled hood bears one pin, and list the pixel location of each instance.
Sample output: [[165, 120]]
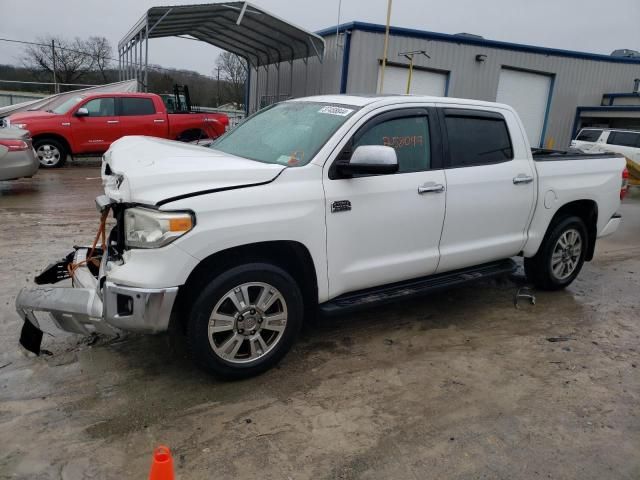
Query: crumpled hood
[[149, 170]]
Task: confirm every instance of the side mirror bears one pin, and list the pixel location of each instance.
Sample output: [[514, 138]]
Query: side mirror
[[369, 159], [82, 112]]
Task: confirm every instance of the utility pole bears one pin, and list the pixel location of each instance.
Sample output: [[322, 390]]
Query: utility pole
[[56, 89], [409, 56], [386, 48]]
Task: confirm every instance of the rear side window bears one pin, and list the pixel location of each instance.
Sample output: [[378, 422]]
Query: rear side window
[[478, 140], [589, 135], [624, 139], [137, 106], [409, 136]]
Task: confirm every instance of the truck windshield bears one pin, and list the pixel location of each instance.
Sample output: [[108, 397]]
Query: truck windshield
[[289, 133], [65, 106]]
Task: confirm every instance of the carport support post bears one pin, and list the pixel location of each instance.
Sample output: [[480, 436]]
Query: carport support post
[[131, 66], [131, 60], [257, 87], [306, 75], [146, 57], [140, 77], [291, 79], [277, 82], [135, 59], [266, 88]]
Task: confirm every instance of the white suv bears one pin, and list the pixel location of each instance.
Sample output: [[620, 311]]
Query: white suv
[[598, 140]]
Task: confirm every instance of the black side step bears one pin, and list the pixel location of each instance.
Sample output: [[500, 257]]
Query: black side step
[[419, 286]]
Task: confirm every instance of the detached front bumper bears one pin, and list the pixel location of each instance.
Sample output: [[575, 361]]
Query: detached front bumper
[[94, 304]]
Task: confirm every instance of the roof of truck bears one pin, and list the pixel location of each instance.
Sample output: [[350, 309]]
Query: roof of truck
[[363, 100]]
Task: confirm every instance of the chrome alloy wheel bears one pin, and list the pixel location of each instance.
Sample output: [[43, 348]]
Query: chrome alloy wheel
[[48, 155], [566, 254], [247, 322]]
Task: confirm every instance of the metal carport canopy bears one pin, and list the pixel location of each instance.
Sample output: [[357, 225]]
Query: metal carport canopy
[[237, 27]]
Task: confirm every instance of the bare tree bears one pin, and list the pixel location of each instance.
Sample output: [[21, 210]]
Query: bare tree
[[73, 59], [99, 49], [70, 62], [234, 73]]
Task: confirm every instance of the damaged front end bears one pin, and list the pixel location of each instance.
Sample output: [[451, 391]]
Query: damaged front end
[[92, 304]]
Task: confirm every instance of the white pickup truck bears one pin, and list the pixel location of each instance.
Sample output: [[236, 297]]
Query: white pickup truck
[[330, 203]]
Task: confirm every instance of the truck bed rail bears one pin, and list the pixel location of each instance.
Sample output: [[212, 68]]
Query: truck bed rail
[[546, 155]]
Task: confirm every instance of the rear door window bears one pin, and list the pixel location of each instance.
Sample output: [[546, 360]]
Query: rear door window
[[589, 135], [624, 139], [477, 138], [136, 106]]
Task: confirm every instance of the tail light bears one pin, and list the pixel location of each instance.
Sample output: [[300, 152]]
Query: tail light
[[624, 188], [14, 145]]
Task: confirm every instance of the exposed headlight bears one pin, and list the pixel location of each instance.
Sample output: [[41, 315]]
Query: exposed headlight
[[19, 125], [146, 228]]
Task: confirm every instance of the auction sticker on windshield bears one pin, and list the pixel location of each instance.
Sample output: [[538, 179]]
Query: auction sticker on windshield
[[341, 111]]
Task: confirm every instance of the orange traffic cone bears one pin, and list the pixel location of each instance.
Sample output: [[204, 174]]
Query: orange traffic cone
[[162, 464]]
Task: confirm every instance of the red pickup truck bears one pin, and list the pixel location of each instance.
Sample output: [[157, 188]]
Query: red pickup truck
[[89, 123]]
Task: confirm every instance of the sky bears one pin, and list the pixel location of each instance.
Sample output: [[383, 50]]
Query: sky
[[584, 25]]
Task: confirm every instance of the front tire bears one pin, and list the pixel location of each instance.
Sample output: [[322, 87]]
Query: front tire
[[245, 320], [561, 255], [51, 152]]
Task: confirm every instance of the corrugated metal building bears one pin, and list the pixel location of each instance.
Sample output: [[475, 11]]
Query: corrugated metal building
[[550, 88]]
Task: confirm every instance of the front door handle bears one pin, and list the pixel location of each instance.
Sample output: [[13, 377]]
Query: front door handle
[[522, 178], [431, 187], [112, 121]]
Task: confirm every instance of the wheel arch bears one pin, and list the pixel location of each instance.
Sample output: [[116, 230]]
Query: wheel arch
[[54, 136], [194, 133], [292, 256], [585, 209]]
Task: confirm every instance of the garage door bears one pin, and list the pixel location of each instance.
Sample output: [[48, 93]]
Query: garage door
[[528, 93], [422, 82]]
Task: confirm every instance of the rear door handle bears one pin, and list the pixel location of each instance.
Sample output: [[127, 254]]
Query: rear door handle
[[112, 121], [431, 187], [522, 178]]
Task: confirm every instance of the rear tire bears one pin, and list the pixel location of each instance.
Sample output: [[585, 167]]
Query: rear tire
[[561, 255], [51, 152], [245, 320]]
